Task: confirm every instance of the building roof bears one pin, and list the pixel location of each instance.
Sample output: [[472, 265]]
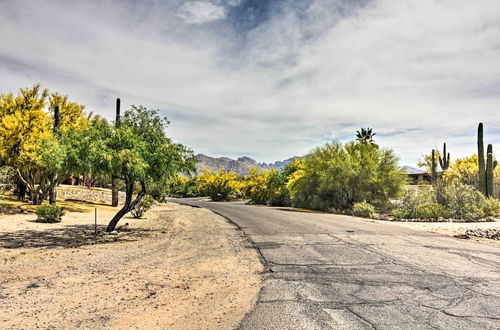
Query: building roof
[[413, 170]]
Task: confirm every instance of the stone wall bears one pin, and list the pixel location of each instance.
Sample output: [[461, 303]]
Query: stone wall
[[99, 195]]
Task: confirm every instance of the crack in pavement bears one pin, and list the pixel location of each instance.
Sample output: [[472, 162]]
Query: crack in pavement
[[328, 271]]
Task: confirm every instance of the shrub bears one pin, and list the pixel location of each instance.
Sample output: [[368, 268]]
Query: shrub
[[410, 202], [401, 214], [431, 211], [143, 206], [363, 209], [220, 186], [49, 213], [183, 187], [266, 187], [462, 201], [491, 207], [336, 176]]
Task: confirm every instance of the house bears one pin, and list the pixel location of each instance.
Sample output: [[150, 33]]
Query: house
[[416, 175]]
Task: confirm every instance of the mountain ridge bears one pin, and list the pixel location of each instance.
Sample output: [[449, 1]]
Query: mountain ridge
[[241, 165]]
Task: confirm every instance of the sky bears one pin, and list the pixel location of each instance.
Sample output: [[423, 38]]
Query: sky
[[270, 79]]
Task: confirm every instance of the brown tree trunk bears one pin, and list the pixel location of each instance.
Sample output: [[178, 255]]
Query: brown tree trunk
[[114, 191], [53, 194], [21, 190], [129, 204]]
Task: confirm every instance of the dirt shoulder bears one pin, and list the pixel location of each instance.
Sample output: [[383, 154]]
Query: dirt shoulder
[[180, 268], [455, 229]]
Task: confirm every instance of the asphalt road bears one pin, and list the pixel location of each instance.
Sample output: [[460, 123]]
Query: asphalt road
[[333, 271]]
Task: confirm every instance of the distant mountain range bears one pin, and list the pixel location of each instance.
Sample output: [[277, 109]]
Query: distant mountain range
[[241, 165]]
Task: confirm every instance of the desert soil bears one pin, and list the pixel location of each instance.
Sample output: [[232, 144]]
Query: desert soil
[[180, 268], [455, 229]]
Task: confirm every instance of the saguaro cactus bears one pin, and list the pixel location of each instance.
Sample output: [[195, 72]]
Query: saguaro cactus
[[480, 154], [490, 166], [114, 183], [433, 166], [444, 161], [54, 176], [57, 118]]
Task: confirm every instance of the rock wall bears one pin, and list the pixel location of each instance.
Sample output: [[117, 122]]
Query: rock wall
[[99, 195]]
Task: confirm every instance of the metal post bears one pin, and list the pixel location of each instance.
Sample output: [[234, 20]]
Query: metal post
[[95, 222]]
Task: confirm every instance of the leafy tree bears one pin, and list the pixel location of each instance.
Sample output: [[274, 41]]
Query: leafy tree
[[140, 152], [29, 141], [23, 125], [256, 186], [465, 170], [365, 135], [267, 187], [336, 176], [220, 186], [182, 186]]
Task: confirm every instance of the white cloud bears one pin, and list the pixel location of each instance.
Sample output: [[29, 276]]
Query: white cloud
[[420, 73], [199, 12]]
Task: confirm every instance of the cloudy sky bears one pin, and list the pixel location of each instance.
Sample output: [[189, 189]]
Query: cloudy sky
[[270, 79]]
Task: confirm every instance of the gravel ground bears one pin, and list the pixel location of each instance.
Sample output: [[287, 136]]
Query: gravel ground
[[181, 268], [455, 229]]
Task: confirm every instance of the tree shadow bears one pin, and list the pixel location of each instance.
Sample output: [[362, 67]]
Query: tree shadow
[[87, 203], [71, 236]]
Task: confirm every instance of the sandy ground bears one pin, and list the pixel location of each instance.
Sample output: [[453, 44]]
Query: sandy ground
[[449, 228], [180, 268]]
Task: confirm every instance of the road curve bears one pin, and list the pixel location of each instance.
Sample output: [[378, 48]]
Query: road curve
[[333, 271]]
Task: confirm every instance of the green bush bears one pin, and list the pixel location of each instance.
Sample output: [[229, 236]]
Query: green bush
[[491, 207], [431, 211], [336, 176], [401, 214], [49, 213], [143, 206], [412, 199], [363, 209], [461, 200]]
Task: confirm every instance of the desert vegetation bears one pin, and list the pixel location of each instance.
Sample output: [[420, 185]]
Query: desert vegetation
[[362, 179], [45, 138]]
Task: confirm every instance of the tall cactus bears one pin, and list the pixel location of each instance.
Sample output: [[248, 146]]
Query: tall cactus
[[114, 180], [482, 166], [444, 161], [57, 119], [490, 166], [433, 166]]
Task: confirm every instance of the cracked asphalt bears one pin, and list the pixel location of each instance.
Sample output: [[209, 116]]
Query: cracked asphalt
[[340, 272]]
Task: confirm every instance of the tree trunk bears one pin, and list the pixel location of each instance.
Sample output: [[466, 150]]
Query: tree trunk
[[53, 194], [129, 204], [21, 190], [114, 191]]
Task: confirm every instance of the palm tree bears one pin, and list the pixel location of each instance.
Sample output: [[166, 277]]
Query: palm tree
[[365, 135]]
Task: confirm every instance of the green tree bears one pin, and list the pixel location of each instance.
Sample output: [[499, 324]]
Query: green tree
[[30, 141], [140, 152], [336, 176], [365, 135]]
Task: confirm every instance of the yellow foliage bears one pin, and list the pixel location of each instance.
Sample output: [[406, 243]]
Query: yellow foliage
[[23, 125], [466, 171], [219, 186], [72, 114]]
